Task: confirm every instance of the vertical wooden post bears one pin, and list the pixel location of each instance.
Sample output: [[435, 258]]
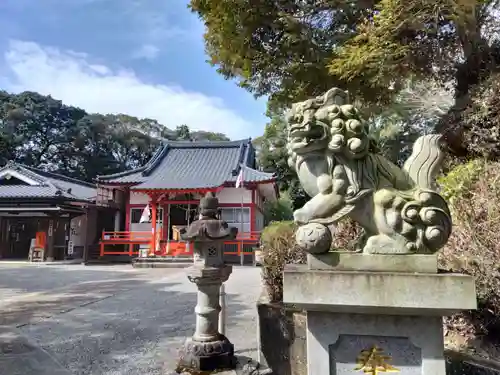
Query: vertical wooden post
[[67, 237], [118, 219], [50, 240], [152, 247], [91, 233], [253, 216], [2, 241], [102, 243], [85, 255]]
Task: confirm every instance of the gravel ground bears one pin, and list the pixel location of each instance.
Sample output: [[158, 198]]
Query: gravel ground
[[112, 320]]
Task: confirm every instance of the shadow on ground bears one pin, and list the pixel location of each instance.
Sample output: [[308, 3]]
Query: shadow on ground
[[130, 325]]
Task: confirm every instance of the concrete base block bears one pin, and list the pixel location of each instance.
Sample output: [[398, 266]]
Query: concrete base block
[[387, 293], [349, 261], [342, 344], [376, 313]]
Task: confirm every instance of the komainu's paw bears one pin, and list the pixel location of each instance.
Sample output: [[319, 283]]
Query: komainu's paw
[[301, 216]]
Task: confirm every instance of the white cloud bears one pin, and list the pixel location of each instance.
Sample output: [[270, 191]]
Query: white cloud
[[146, 51], [70, 77]]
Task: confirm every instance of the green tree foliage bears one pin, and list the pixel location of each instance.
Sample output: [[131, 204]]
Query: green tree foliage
[[272, 156], [35, 127], [414, 111], [279, 210], [201, 135], [40, 131], [103, 144], [445, 40], [414, 37], [279, 48], [183, 133], [271, 151], [291, 49]]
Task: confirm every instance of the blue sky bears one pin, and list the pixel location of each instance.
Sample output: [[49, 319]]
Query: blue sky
[[141, 57]]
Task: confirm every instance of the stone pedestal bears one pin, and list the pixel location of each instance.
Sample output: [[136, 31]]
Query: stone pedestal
[[207, 349], [376, 313]]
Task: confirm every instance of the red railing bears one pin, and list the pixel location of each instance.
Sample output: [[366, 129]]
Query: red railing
[[248, 236], [126, 236], [245, 238], [170, 248]]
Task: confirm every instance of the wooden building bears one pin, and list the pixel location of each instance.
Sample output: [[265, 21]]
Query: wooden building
[[160, 198], [59, 213]]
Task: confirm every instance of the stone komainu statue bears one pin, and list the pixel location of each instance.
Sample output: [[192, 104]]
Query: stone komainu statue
[[338, 165]]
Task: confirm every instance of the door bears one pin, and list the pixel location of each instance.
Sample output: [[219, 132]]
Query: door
[[20, 231], [61, 237], [3, 237]]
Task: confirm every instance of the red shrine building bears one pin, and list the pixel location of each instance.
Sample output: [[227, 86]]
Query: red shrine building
[[154, 202]]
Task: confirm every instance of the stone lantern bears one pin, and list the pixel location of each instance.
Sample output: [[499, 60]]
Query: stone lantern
[[208, 349]]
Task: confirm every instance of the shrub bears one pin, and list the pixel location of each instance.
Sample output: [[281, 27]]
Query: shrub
[[278, 248], [278, 210], [460, 179], [473, 191]]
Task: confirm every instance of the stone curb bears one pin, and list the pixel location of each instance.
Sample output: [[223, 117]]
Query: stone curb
[[161, 264]]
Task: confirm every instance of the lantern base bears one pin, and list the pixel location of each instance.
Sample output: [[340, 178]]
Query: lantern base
[[207, 356]]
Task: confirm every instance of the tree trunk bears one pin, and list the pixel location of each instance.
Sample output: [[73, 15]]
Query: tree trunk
[[477, 66]]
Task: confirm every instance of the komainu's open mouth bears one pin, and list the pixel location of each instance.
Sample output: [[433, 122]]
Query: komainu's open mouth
[[297, 130], [304, 142]]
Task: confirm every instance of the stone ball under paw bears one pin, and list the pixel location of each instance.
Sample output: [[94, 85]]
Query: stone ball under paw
[[314, 238]]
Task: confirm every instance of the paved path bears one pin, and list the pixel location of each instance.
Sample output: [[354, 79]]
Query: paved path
[[108, 320]]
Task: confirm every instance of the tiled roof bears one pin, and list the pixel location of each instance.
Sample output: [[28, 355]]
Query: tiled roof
[[27, 191], [49, 185], [194, 165], [253, 175], [131, 177]]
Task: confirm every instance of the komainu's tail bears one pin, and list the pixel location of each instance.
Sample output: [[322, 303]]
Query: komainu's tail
[[425, 161]]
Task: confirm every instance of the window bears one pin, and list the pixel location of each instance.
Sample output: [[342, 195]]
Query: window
[[237, 217], [136, 213]]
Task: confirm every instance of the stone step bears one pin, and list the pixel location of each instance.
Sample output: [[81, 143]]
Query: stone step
[[163, 262]]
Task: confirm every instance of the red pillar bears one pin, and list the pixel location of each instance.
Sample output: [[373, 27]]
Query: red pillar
[[152, 247], [127, 219]]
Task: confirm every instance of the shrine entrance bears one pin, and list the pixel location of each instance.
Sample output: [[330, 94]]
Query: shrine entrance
[[179, 216]]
